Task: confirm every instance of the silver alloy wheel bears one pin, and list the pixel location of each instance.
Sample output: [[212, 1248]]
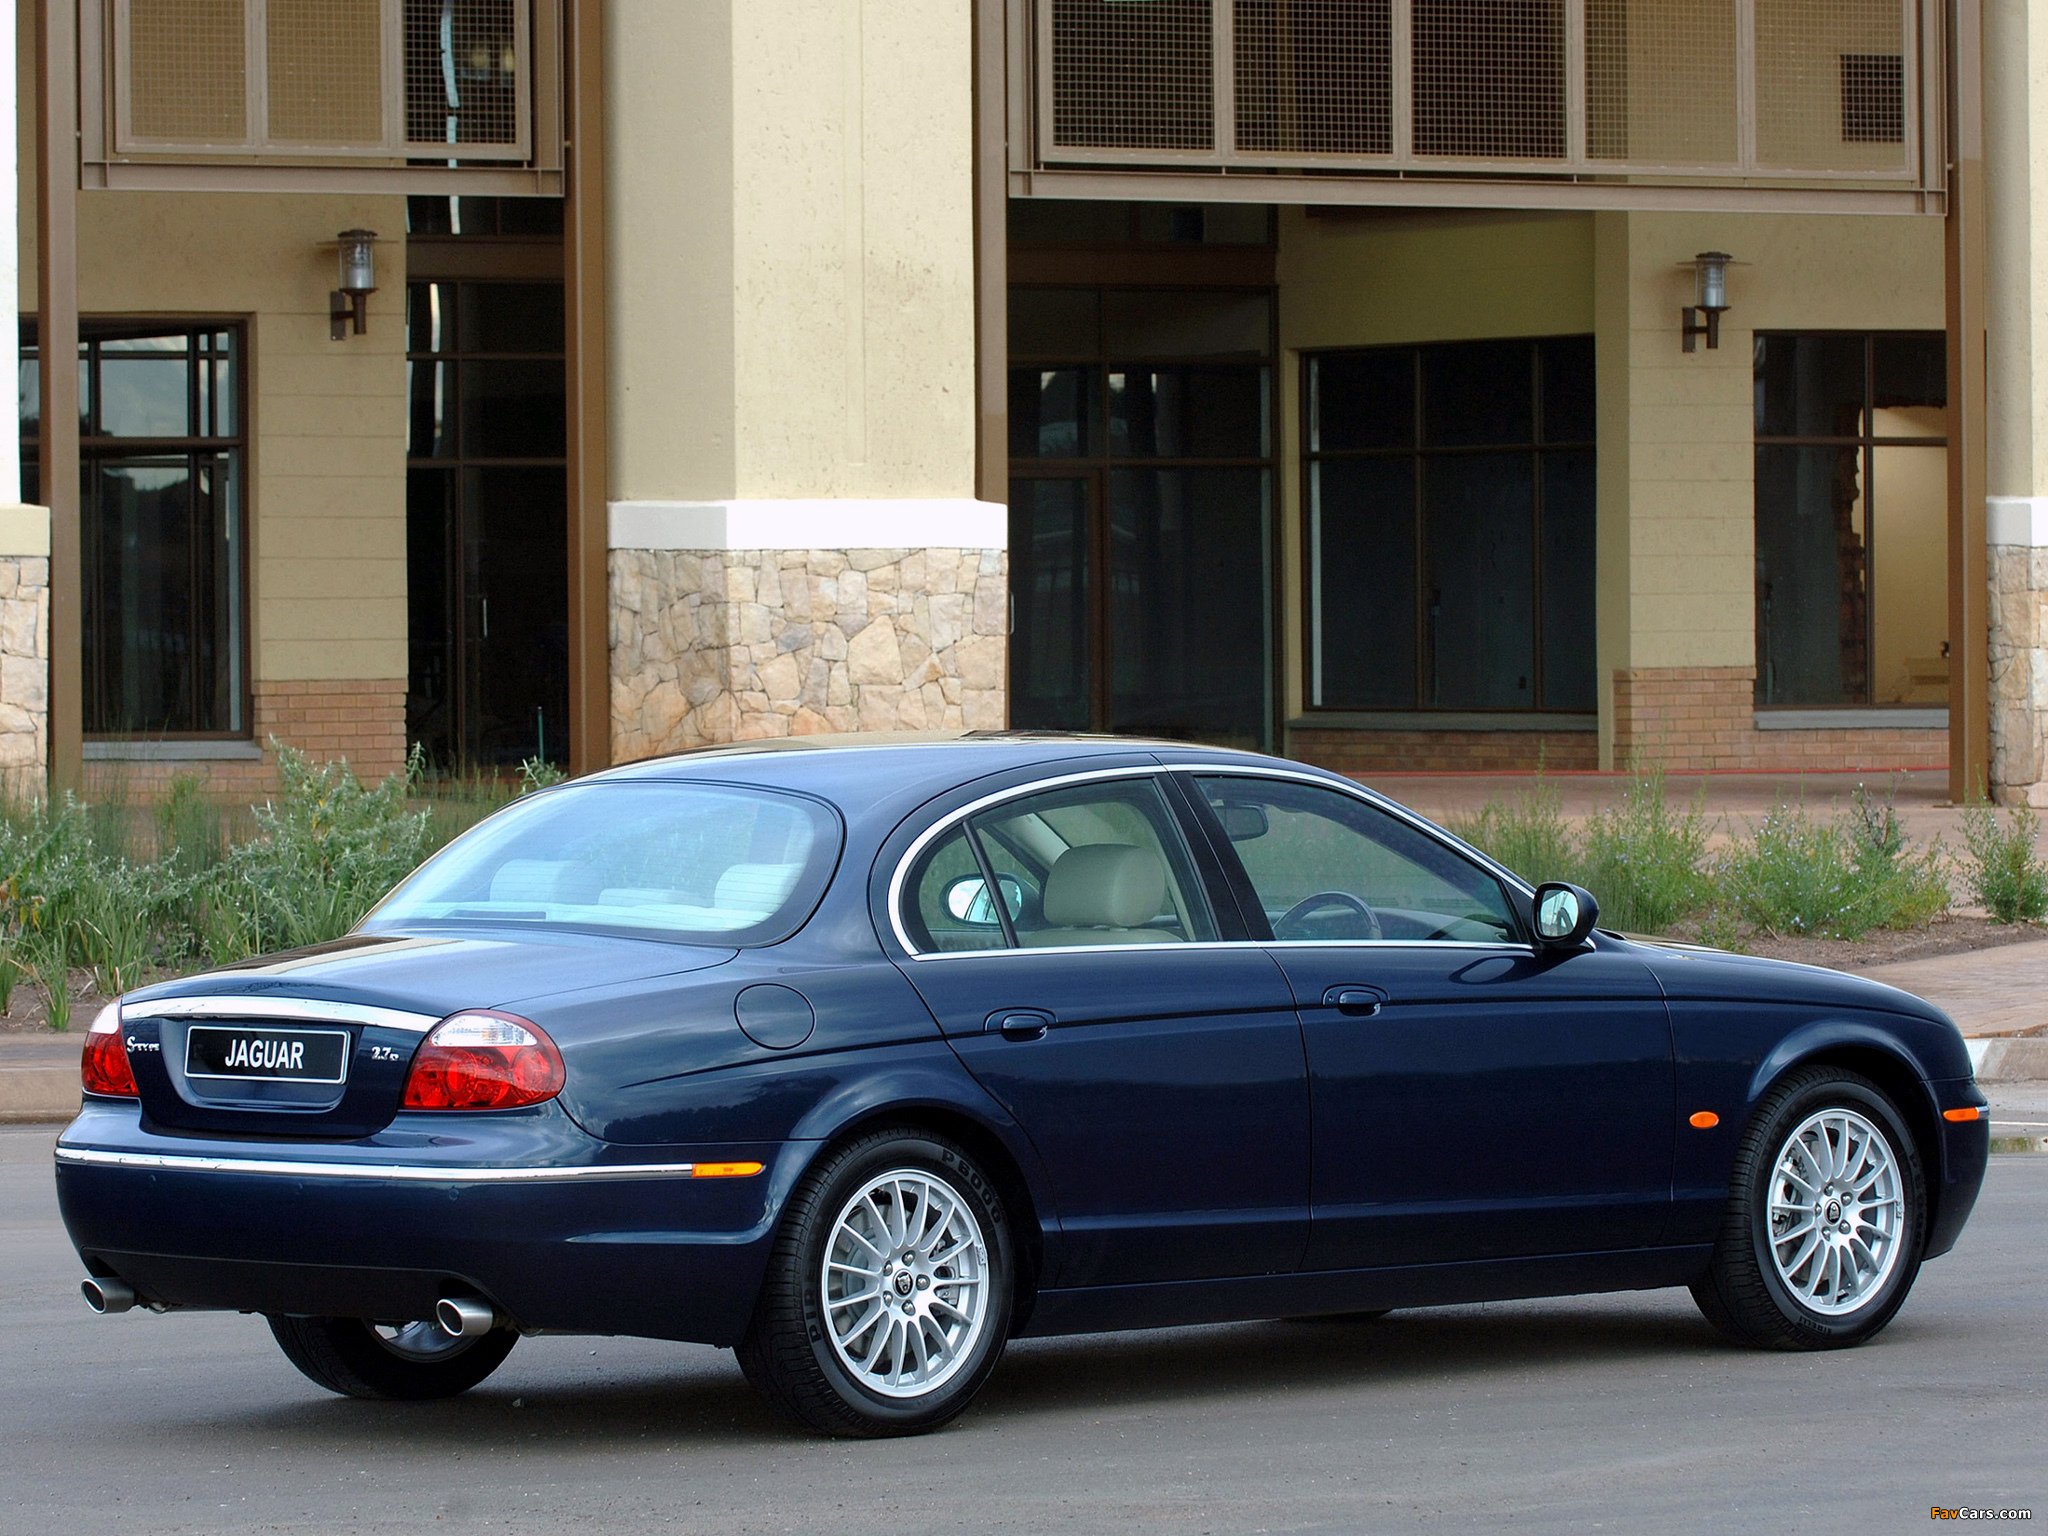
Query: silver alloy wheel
[[424, 1342], [1837, 1212], [905, 1283]]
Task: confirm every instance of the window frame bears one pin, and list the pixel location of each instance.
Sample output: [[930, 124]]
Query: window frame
[[1866, 442], [1221, 877], [96, 448], [1417, 452]]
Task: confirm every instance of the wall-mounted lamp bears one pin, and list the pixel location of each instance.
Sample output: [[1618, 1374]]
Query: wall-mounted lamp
[[1710, 297], [348, 307]]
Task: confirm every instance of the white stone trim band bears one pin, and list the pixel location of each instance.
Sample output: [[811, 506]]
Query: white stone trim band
[[2019, 520], [937, 522], [24, 531]]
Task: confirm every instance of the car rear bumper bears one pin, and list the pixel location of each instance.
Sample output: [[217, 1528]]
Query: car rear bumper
[[554, 1228]]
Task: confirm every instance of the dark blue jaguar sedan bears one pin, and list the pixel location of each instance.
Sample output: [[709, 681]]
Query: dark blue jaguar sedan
[[864, 1057]]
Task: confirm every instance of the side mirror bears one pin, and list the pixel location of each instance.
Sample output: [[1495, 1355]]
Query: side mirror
[[967, 899], [1565, 915]]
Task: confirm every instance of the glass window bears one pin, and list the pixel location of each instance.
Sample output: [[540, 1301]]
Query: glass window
[[1095, 864], [950, 910], [1450, 526], [161, 524], [1851, 520], [686, 862], [1326, 867]]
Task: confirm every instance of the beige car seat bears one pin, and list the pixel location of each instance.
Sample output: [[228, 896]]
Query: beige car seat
[[1103, 893]]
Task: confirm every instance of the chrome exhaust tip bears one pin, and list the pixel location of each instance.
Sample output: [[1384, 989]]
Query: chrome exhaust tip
[[464, 1317], [107, 1297]]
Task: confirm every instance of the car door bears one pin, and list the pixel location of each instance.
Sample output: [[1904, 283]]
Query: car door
[[1158, 1072], [1472, 1097]]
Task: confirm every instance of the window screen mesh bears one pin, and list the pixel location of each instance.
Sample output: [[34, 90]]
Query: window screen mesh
[[326, 71], [187, 62], [461, 72], [1315, 76], [1489, 78], [1132, 76], [1660, 81], [1806, 96]]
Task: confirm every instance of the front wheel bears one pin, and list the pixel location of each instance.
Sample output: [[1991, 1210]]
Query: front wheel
[[887, 1299], [1826, 1218], [413, 1361]]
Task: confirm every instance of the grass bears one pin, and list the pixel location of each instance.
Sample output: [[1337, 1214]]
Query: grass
[[1646, 860], [127, 892]]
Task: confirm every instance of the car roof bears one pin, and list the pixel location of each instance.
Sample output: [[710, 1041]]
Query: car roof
[[881, 765]]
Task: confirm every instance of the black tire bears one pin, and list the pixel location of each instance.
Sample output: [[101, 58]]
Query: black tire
[[1743, 1292], [348, 1356], [788, 1352]]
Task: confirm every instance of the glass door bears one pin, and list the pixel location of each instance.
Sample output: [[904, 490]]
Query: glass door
[[1053, 644]]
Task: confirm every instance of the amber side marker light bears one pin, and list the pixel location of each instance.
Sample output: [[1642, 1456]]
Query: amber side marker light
[[725, 1170], [1703, 1120], [1964, 1115]]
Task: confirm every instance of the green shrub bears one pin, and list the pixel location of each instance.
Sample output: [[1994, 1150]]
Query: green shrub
[[1643, 861], [538, 773], [325, 850], [2004, 873], [1837, 879], [1528, 834]]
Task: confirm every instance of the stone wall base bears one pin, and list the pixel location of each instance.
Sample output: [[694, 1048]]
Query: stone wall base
[[362, 720], [1703, 719], [2019, 674], [1361, 754], [711, 646], [24, 673]]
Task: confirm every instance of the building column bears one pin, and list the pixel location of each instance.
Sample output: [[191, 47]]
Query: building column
[[2016, 311], [796, 539]]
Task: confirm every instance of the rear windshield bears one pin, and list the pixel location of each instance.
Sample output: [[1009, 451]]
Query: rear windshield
[[688, 862]]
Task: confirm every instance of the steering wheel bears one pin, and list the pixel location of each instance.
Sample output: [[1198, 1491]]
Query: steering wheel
[[1308, 904]]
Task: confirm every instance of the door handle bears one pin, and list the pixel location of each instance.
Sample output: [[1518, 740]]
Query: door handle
[[1354, 1001], [1020, 1023]]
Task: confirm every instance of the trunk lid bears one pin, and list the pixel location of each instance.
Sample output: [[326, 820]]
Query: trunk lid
[[317, 1043]]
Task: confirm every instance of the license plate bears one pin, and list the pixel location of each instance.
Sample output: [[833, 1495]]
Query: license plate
[[267, 1055]]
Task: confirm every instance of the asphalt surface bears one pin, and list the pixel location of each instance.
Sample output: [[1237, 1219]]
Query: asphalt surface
[[1605, 1413]]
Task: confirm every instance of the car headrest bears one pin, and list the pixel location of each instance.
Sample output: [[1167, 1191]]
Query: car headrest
[[1104, 885], [544, 881], [757, 888]]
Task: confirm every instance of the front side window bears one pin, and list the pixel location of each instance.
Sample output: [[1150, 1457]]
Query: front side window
[[1326, 866], [703, 863], [1086, 866], [162, 524], [1449, 495], [1851, 520]]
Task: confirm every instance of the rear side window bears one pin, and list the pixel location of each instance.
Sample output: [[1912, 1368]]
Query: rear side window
[[688, 862], [1084, 866]]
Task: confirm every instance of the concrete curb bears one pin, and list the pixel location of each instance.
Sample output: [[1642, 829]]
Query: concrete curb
[[2003, 1059]]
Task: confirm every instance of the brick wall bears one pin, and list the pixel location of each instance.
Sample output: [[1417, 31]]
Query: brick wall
[[1702, 718], [1365, 753], [361, 720]]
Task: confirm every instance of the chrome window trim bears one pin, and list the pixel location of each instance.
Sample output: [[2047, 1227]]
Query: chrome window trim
[[297, 1009], [417, 1173], [900, 875]]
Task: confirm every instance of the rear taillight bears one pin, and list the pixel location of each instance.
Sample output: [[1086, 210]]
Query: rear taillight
[[484, 1060], [104, 1068]]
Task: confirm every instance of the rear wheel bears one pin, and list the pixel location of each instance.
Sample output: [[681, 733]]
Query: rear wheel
[[887, 1299], [1826, 1219], [409, 1361]]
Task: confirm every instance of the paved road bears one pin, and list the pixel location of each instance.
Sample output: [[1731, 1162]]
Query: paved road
[[1616, 1413]]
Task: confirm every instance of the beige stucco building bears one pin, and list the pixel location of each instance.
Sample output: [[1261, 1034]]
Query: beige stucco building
[[1313, 377]]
